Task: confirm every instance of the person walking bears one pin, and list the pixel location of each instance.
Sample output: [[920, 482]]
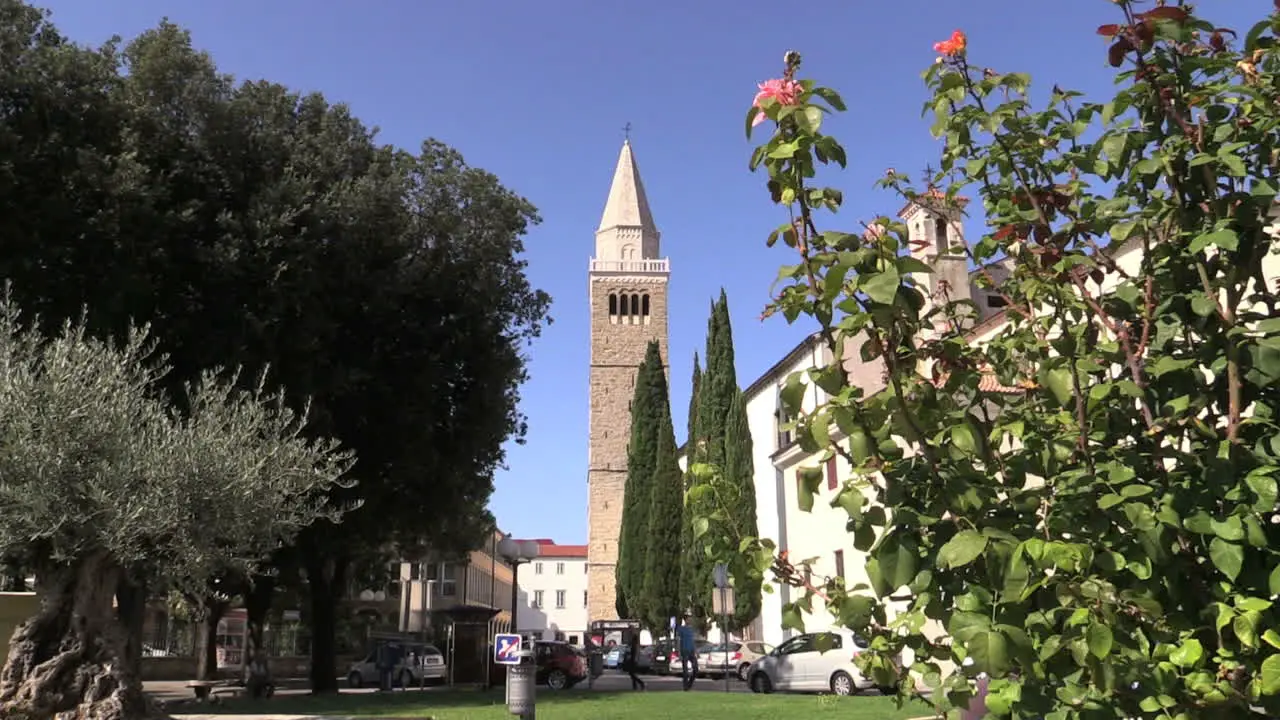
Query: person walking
[[631, 662], [688, 653]]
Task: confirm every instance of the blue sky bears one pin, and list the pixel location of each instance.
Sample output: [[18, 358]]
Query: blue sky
[[538, 93]]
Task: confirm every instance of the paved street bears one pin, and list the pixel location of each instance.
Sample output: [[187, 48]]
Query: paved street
[[611, 680]]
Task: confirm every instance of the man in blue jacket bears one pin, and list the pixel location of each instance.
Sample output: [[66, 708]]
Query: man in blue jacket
[[688, 652]]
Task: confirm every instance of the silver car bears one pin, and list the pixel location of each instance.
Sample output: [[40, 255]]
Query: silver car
[[798, 665], [418, 664], [734, 658]]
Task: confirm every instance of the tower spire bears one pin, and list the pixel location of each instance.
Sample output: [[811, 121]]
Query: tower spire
[[628, 206]]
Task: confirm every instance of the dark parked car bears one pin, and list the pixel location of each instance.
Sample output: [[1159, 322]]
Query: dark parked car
[[560, 665], [663, 652]]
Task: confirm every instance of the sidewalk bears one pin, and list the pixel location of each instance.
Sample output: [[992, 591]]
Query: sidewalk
[[214, 716]]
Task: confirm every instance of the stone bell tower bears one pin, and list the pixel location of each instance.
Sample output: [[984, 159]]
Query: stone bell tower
[[628, 295]]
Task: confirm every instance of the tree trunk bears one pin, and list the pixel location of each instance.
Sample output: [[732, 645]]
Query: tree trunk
[[257, 665], [323, 585], [210, 612], [131, 609], [66, 661]]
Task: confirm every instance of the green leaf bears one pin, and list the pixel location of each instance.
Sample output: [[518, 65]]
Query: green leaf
[[1272, 638], [831, 96], [1273, 581], [1059, 382], [859, 446], [855, 611], [962, 438], [809, 480], [792, 393], [1202, 304], [700, 527], [1270, 676], [1099, 639], [851, 500], [963, 626], [820, 430], [1122, 230], [1188, 654], [1230, 529], [792, 618], [751, 116], [990, 653], [962, 549], [1235, 167], [899, 560], [881, 286], [1264, 486], [1225, 239], [809, 120], [1109, 501], [1228, 557]]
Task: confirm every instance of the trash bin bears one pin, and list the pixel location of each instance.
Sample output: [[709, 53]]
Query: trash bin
[[596, 663]]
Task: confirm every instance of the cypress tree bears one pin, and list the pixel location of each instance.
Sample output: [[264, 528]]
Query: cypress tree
[[715, 394], [660, 598], [688, 564], [739, 474], [648, 404], [719, 383], [693, 404]]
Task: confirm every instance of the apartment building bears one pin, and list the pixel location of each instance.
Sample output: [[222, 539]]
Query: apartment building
[[553, 593]]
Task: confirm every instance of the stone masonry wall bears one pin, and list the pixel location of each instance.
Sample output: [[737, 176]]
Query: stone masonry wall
[[617, 349]]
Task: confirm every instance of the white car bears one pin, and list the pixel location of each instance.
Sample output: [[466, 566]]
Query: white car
[[418, 664], [735, 659], [676, 667], [797, 665]]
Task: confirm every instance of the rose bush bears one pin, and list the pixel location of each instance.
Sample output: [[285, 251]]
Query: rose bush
[[1102, 542]]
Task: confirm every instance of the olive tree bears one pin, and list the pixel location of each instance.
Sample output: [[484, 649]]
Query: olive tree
[[99, 474]]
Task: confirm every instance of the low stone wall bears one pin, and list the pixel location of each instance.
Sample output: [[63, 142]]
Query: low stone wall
[[184, 668]]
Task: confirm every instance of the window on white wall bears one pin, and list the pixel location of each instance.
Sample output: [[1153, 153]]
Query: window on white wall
[[559, 568], [537, 568], [560, 599], [448, 579], [584, 598], [537, 599]]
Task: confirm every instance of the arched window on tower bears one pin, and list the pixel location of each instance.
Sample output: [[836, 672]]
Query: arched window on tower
[[613, 308], [644, 308], [940, 235], [635, 305]]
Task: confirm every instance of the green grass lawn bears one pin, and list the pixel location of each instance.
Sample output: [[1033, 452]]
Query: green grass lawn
[[575, 705]]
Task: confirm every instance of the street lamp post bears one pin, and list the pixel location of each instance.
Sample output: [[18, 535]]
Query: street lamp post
[[720, 578], [516, 552]]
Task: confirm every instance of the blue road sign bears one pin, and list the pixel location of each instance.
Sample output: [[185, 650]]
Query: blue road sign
[[506, 649]]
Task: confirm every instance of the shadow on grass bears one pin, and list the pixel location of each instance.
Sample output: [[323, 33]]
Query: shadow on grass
[[411, 703]]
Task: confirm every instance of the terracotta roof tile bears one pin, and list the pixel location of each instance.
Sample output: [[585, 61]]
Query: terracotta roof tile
[[549, 549], [990, 383], [933, 194]]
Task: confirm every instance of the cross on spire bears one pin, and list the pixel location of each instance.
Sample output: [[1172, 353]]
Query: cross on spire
[[626, 131], [928, 174]]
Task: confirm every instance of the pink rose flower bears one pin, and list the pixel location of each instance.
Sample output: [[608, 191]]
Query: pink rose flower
[[784, 91]]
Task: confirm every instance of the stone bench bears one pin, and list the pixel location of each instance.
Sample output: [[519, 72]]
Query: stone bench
[[206, 688]]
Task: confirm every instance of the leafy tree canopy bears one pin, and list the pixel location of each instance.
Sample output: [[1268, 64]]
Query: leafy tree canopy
[[1099, 541], [256, 227], [98, 472]]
